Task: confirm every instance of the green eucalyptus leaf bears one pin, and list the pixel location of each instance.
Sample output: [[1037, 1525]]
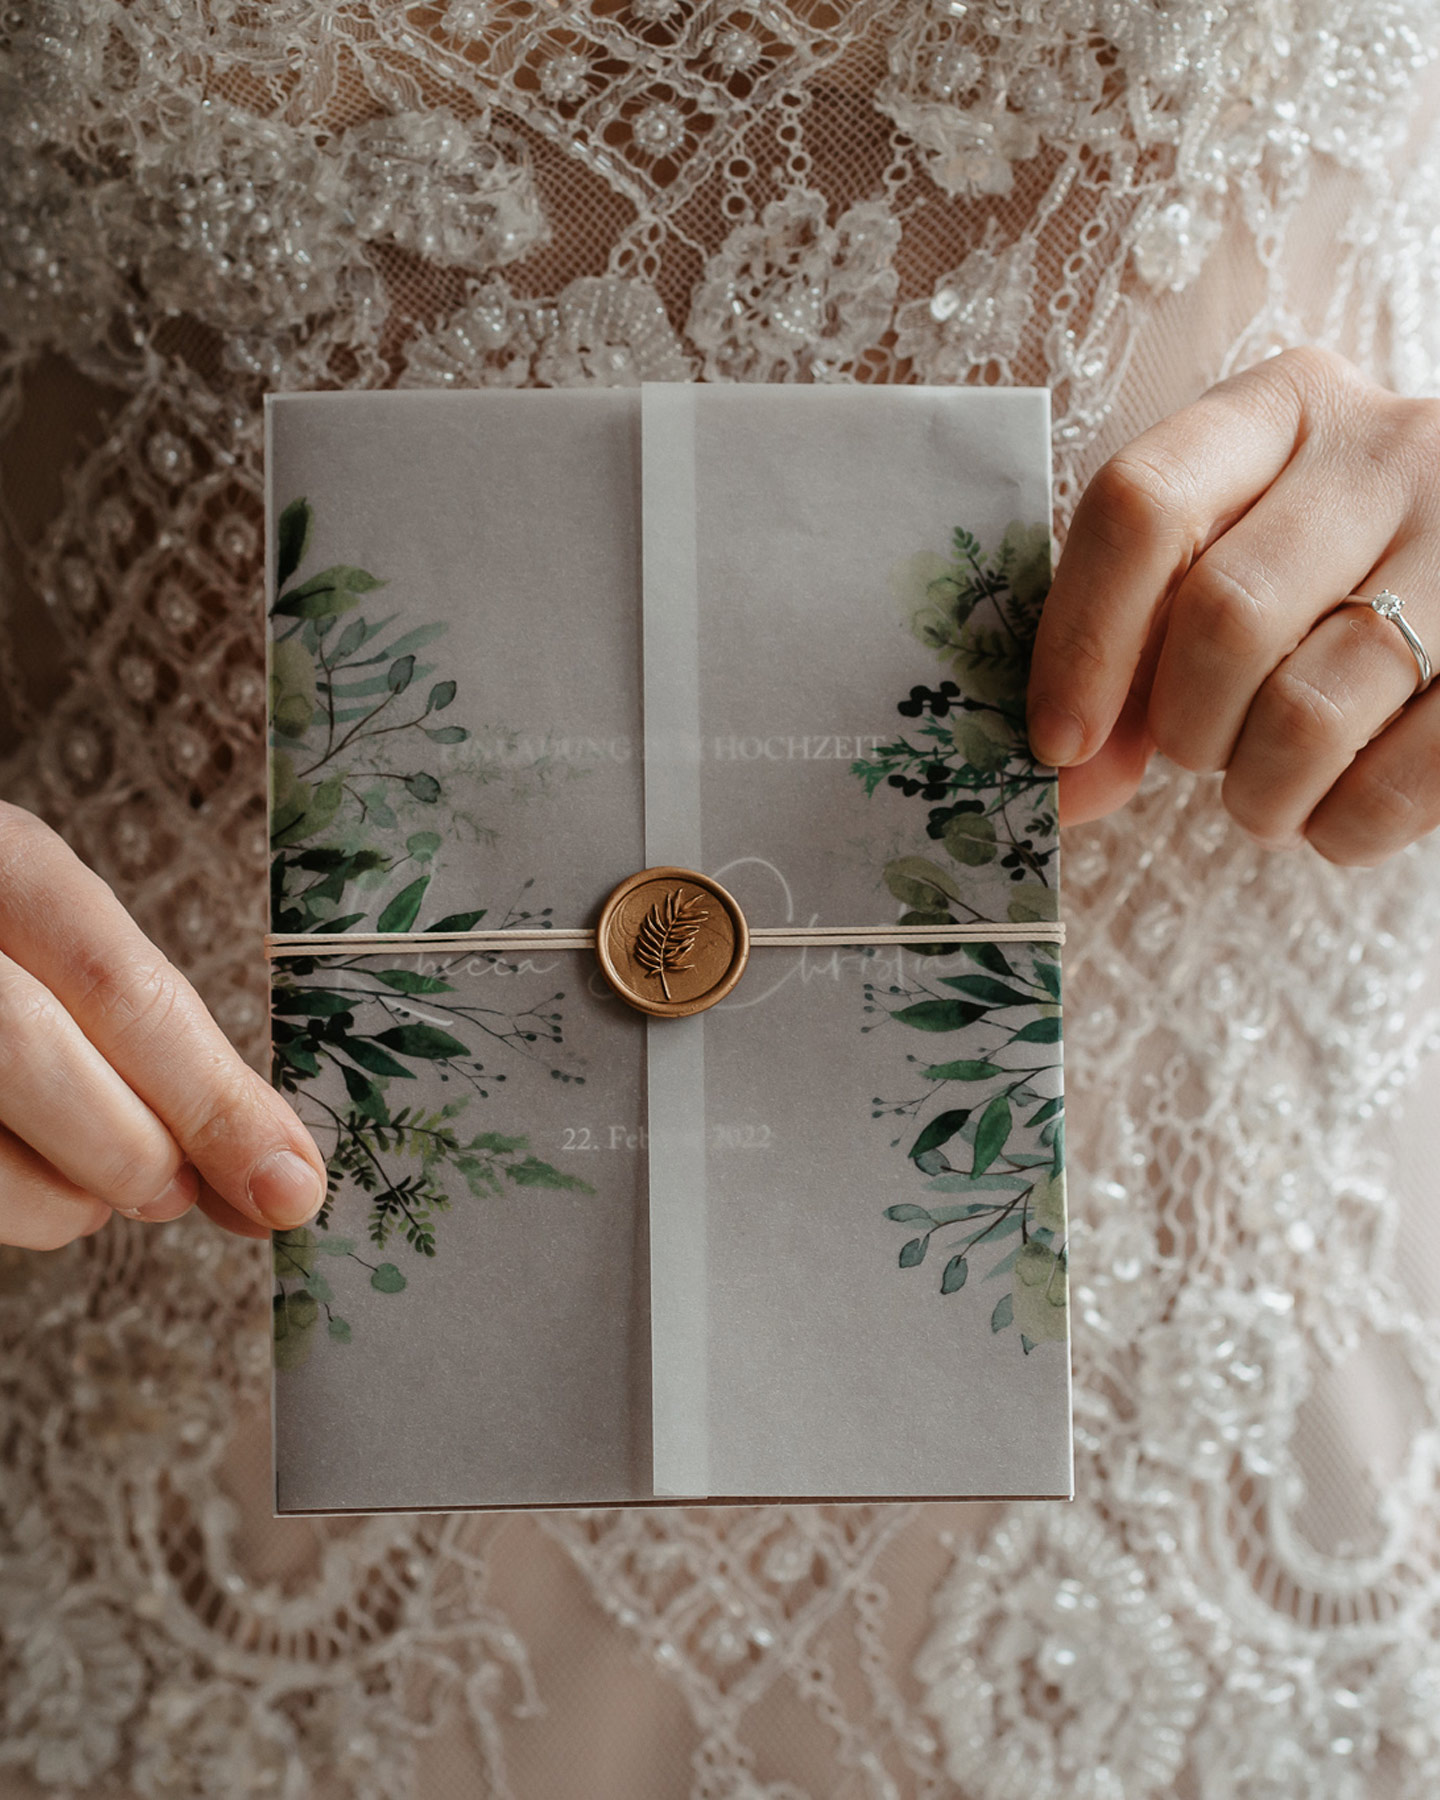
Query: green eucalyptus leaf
[[400, 914], [986, 988], [334, 1246], [406, 981], [441, 695], [339, 1329], [427, 1041], [917, 881], [963, 1071], [341, 924], [991, 1133], [462, 921], [400, 674], [532, 1172], [370, 1056], [1038, 1031], [908, 1215], [387, 1279], [970, 839], [977, 1184], [292, 1253], [322, 805], [1040, 1294], [446, 734], [412, 640], [423, 787], [422, 845], [1003, 1314], [350, 639], [367, 1097], [294, 1317], [913, 1253], [991, 957], [954, 1277], [1047, 1203], [312, 1003], [293, 536], [939, 1131], [938, 1015], [1032, 903], [989, 664], [292, 688], [978, 747], [336, 590]]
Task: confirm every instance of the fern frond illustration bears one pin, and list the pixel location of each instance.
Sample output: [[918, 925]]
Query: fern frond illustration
[[668, 934]]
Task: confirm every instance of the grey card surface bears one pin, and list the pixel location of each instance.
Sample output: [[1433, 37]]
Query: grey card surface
[[809, 1243]]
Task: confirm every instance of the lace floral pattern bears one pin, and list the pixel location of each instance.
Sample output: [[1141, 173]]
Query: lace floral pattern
[[200, 202]]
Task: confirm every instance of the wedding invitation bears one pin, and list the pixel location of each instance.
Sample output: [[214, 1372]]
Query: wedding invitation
[[765, 647]]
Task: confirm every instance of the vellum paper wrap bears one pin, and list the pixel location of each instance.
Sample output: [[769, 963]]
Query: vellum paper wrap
[[809, 1243]]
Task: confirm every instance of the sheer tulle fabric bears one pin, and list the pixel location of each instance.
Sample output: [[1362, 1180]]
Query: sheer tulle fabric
[[1122, 202]]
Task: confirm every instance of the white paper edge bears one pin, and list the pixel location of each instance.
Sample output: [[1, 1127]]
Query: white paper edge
[[271, 522], [675, 1048]]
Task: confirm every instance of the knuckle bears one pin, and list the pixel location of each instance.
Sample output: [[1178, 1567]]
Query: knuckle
[[1300, 719], [1377, 814], [29, 1013], [1225, 613], [1404, 440], [1073, 641], [1319, 377], [135, 1172], [1134, 496], [127, 993], [228, 1113], [1255, 811]]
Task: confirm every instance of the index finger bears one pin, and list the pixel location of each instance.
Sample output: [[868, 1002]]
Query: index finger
[[151, 1026], [1143, 519]]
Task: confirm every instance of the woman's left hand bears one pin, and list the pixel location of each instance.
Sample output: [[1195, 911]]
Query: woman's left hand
[[1196, 609]]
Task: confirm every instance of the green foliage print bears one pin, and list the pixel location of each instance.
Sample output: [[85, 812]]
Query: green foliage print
[[345, 702], [967, 755], [986, 1130], [991, 1130]]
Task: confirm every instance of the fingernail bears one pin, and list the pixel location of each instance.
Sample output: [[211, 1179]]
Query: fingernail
[[177, 1198], [285, 1189], [1056, 736]]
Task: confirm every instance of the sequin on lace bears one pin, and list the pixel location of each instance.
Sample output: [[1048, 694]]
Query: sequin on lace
[[197, 202]]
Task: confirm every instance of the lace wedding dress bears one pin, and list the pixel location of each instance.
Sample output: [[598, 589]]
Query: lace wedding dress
[[1122, 199]]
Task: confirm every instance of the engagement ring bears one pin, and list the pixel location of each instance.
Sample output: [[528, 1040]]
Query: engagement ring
[[1391, 606]]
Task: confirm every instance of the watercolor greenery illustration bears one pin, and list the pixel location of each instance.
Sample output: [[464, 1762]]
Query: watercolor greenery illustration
[[991, 1121], [350, 719], [967, 756]]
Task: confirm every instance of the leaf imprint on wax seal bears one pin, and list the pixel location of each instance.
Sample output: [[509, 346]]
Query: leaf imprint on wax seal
[[668, 935]]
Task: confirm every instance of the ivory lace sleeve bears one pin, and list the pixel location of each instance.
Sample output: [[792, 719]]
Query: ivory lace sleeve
[[1120, 201]]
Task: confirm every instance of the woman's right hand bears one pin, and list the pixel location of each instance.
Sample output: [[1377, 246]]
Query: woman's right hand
[[118, 1091]]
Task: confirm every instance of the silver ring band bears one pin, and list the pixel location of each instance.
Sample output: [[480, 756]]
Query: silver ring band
[[1390, 606]]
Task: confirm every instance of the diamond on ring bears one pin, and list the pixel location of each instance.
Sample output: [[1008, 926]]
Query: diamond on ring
[[1392, 607]]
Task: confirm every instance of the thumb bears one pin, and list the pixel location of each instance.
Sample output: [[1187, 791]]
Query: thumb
[[1090, 790]]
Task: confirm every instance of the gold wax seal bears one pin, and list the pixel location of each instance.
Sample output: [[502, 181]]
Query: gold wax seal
[[672, 942]]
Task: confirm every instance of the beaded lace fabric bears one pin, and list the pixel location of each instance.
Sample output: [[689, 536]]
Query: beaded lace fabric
[[1121, 199]]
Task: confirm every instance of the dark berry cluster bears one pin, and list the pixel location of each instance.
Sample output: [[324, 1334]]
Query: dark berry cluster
[[940, 816], [936, 701], [933, 783], [1020, 860]]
